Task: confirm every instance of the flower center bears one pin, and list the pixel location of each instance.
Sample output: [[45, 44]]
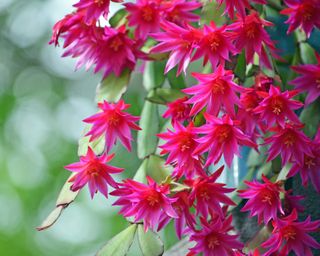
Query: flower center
[[289, 139], [309, 161], [212, 241], [251, 30], [224, 133], [186, 143], [277, 105], [289, 232], [93, 170], [307, 11], [116, 44], [147, 13], [153, 198], [218, 86], [267, 197], [99, 2], [113, 119], [204, 193], [214, 41]]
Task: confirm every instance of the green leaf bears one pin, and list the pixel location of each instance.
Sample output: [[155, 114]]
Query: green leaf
[[119, 244], [176, 82], [153, 75], [149, 242], [112, 87], [149, 123], [307, 53], [311, 118], [240, 69], [66, 197], [118, 18], [97, 145], [157, 168], [284, 172], [141, 173], [164, 95]]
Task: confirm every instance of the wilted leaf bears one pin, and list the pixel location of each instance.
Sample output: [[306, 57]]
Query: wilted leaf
[[149, 123], [149, 242], [118, 18], [119, 244], [153, 75], [112, 87], [51, 219]]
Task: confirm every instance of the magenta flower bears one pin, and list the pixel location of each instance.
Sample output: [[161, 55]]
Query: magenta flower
[[214, 239], [221, 137], [289, 235], [208, 194], [303, 14], [178, 110], [94, 9], [290, 143], [185, 218], [215, 45], [248, 33], [214, 91], [309, 168], [309, 80], [277, 106], [180, 11], [145, 15], [239, 5], [180, 42], [145, 202], [114, 123], [92, 170], [264, 199], [180, 146]]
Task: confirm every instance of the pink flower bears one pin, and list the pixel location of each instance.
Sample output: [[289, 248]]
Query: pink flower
[[92, 170], [145, 15], [208, 194], [114, 123], [264, 199], [178, 110], [215, 45], [94, 9], [180, 146], [185, 218], [248, 33], [277, 106], [290, 142], [145, 202], [221, 137], [309, 80], [309, 168], [302, 13], [214, 91], [289, 235], [214, 239], [180, 11], [180, 42], [239, 5]]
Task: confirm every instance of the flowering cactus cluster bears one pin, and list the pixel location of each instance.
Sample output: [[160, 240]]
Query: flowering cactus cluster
[[239, 100]]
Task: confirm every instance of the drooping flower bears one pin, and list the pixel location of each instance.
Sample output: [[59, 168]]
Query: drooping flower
[[180, 42], [180, 11], [145, 202], [221, 137], [239, 5], [178, 110], [94, 171], [290, 235], [113, 123], [215, 45], [264, 199], [214, 239], [310, 167], [207, 194], [277, 107], [185, 218], [291, 143], [303, 14], [309, 80], [214, 91], [248, 33], [145, 15], [93, 9], [180, 145]]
